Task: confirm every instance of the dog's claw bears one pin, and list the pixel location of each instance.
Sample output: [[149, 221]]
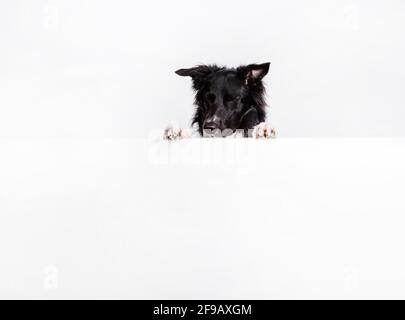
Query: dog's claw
[[264, 131]]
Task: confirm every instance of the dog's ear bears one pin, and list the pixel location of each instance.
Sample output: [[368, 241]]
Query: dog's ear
[[199, 74], [253, 72], [186, 72]]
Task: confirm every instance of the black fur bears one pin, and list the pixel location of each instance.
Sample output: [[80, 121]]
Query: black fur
[[232, 99]]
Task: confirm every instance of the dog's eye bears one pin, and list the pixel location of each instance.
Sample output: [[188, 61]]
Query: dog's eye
[[229, 98], [211, 97]]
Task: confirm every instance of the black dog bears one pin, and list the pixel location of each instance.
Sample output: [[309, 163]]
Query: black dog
[[228, 99]]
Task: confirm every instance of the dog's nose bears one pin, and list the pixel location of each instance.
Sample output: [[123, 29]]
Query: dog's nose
[[212, 123]]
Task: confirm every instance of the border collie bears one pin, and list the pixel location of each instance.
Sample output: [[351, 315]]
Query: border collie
[[228, 100]]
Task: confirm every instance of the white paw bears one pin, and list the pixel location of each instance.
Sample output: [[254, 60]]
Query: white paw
[[175, 133], [264, 131]]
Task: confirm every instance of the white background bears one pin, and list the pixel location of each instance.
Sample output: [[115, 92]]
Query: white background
[[106, 68], [202, 219], [90, 209]]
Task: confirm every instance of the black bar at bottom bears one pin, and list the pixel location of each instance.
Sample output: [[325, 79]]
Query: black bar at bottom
[[202, 309]]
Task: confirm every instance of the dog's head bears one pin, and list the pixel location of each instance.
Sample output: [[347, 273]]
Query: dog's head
[[228, 98]]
